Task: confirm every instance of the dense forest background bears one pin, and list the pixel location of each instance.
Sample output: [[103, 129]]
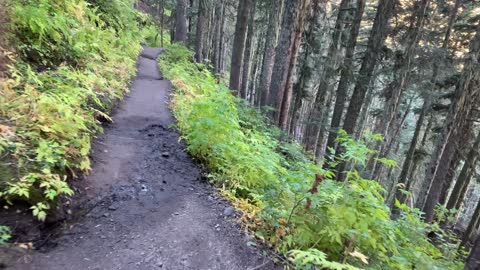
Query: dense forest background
[[407, 70]]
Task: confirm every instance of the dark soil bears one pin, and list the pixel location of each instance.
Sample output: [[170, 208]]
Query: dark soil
[[145, 205]]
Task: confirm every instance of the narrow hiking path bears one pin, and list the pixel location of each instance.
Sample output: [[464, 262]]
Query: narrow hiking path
[[148, 206]]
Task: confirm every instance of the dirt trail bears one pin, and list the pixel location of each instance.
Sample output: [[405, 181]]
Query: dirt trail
[[148, 207]]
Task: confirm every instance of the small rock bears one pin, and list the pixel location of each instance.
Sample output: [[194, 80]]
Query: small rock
[[112, 208], [176, 214], [165, 154], [106, 214], [229, 211]]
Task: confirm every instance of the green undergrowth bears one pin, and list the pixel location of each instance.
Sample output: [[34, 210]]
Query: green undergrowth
[[72, 60], [337, 226], [4, 235]]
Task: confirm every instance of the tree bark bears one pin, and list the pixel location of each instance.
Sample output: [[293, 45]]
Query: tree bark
[[451, 20], [248, 52], [283, 56], [199, 40], [180, 21], [217, 43], [472, 225], [222, 49], [449, 176], [269, 52], [286, 100], [473, 260], [463, 180], [364, 113], [162, 21], [239, 44], [190, 16], [257, 63], [375, 45], [311, 49], [407, 164]]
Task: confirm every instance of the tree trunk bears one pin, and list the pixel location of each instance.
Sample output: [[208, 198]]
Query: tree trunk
[[222, 49], [315, 116], [345, 77], [248, 53], [190, 16], [407, 164], [465, 95], [363, 117], [449, 177], [199, 40], [258, 59], [211, 33], [472, 225], [395, 133], [269, 52], [239, 44], [451, 20], [219, 18], [162, 21], [311, 49], [374, 48], [181, 21], [375, 45], [463, 180], [473, 260], [286, 100], [283, 56]]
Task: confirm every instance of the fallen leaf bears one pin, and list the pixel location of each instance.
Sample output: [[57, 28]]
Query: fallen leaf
[[359, 256]]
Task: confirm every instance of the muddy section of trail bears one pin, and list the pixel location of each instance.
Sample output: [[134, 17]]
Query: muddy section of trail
[[145, 203]]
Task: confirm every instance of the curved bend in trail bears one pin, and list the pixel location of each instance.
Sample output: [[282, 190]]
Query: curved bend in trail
[[149, 208]]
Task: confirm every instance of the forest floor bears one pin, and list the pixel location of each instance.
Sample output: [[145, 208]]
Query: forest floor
[[145, 205]]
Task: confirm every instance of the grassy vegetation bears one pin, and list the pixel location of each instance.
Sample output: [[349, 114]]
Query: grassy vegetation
[[73, 60], [338, 225]]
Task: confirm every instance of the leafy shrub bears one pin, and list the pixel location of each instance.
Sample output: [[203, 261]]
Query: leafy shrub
[[345, 222], [4, 235]]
